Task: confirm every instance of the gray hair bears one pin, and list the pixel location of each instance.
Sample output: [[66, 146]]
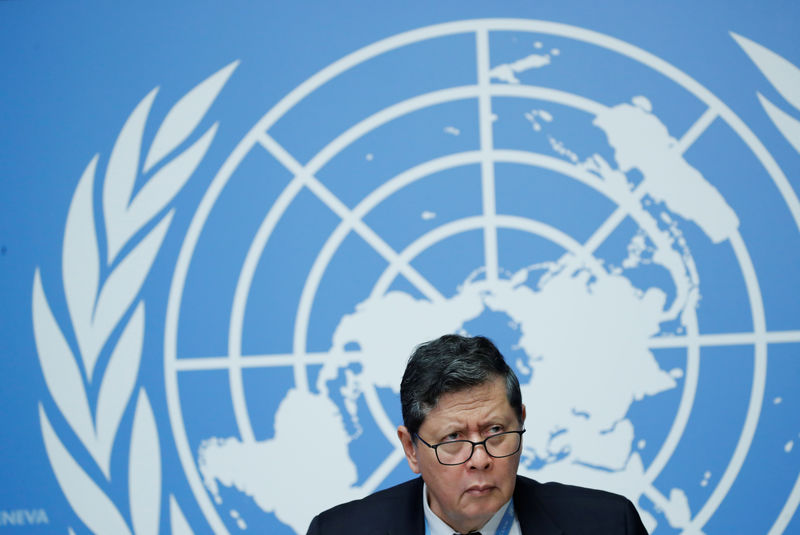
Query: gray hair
[[452, 363]]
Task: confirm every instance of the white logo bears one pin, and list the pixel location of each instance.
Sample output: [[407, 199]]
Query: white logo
[[786, 79], [574, 303], [438, 205], [135, 226]]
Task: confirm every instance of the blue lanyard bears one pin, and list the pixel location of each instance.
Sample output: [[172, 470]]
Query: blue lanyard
[[504, 528]]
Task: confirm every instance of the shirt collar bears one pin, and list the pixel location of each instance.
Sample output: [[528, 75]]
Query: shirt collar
[[438, 526]]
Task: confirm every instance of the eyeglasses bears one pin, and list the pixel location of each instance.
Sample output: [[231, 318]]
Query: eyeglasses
[[457, 452]]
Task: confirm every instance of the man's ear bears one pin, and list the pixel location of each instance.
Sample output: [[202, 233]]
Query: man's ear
[[408, 447], [523, 414]]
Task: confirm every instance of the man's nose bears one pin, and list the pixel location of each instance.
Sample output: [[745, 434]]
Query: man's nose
[[480, 459]]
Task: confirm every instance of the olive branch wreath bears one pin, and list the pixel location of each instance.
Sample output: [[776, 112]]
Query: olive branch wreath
[[134, 226], [785, 78]]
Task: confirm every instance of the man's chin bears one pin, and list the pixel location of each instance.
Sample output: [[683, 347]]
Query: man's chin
[[482, 504]]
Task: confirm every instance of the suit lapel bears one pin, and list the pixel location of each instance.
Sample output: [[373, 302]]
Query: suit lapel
[[408, 518], [533, 517]]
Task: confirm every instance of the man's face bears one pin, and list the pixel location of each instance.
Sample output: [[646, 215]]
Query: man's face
[[466, 496]]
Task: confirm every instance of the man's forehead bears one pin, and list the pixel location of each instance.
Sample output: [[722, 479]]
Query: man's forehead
[[488, 399]]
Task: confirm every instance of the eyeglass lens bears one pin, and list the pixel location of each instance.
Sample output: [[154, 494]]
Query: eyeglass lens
[[459, 451]]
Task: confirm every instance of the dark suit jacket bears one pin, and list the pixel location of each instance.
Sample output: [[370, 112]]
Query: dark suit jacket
[[542, 509]]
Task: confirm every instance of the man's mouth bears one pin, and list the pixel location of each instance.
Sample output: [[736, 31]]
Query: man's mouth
[[479, 490]]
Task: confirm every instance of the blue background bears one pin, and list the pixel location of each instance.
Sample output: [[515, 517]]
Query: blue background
[[71, 73]]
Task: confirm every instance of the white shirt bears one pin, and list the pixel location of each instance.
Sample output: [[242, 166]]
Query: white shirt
[[437, 526]]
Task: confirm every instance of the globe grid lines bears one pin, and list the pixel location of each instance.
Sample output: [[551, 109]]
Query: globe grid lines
[[279, 360], [650, 490], [756, 392], [697, 129], [305, 174], [486, 131], [760, 336], [384, 423], [787, 511], [654, 499], [739, 339]]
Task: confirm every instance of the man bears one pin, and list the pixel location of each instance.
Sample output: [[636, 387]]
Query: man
[[462, 432]]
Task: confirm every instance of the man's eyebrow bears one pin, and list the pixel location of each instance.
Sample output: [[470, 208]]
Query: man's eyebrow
[[489, 420]]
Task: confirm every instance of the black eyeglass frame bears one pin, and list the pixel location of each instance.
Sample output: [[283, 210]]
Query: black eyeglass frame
[[435, 447]]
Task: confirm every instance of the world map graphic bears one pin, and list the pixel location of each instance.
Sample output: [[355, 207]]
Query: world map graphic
[[577, 428], [591, 236]]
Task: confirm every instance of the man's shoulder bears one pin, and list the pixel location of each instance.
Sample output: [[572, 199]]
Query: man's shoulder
[[401, 492], [600, 511], [557, 492], [403, 501]]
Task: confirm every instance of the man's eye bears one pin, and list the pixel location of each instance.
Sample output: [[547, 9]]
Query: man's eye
[[495, 429], [451, 436]]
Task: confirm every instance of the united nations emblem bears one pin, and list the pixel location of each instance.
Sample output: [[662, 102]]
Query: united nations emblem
[[570, 195]]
